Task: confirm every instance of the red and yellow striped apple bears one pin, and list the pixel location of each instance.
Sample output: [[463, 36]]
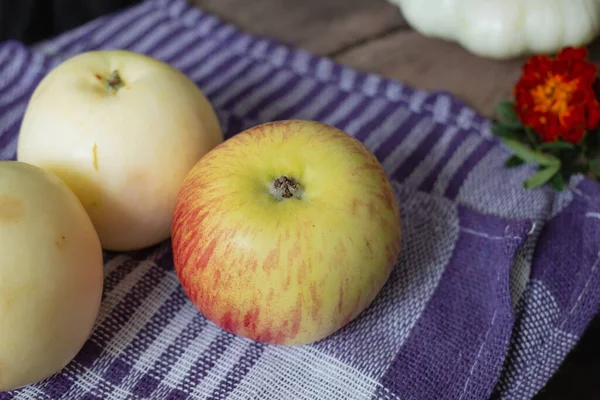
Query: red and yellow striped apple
[[286, 232]]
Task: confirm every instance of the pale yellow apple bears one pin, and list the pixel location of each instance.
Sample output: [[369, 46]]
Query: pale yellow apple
[[51, 276], [123, 130], [286, 232]]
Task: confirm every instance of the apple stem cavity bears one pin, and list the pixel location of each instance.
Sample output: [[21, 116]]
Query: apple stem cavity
[[284, 188], [113, 82]]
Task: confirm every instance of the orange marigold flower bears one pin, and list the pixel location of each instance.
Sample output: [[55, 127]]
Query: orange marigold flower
[[556, 97]]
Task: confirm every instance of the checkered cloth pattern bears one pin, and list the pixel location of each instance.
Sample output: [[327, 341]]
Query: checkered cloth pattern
[[494, 286]]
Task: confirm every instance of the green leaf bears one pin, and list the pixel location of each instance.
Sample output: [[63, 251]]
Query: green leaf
[[530, 155], [506, 111], [498, 129], [541, 177], [531, 136], [510, 125], [513, 161], [558, 182], [584, 148], [556, 146], [505, 133], [595, 167]]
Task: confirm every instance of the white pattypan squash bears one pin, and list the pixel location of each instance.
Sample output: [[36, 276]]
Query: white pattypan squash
[[505, 29]]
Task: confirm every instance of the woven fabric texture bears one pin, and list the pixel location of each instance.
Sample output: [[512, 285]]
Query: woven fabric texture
[[494, 285]]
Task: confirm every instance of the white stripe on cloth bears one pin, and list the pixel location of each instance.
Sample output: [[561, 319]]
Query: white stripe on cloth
[[292, 98], [464, 150], [25, 81], [116, 24], [413, 139], [367, 116], [537, 332], [10, 72], [303, 373], [272, 84], [180, 370], [140, 34], [241, 83], [425, 167], [390, 125], [310, 110], [130, 331], [344, 109]]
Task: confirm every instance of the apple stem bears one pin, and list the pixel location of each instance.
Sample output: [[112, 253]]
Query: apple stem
[[113, 82], [284, 188]]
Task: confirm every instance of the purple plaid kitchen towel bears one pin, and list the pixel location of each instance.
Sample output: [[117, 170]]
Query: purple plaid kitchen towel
[[494, 285]]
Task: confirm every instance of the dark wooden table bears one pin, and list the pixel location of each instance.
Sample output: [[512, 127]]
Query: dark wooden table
[[372, 36]]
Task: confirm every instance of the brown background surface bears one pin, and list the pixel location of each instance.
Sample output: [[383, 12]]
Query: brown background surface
[[372, 36]]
